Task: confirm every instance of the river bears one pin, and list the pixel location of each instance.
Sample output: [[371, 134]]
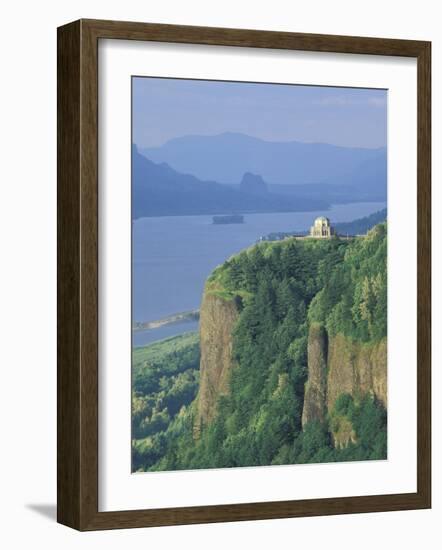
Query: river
[[173, 255]]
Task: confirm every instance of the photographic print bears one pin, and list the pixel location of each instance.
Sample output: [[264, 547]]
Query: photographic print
[[259, 274]]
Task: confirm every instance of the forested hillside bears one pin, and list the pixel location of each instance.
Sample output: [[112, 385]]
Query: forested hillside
[[361, 225], [306, 370], [164, 379]]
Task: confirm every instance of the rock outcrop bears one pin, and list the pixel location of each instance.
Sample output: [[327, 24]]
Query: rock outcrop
[[356, 368], [339, 365], [217, 319], [254, 184], [315, 400]]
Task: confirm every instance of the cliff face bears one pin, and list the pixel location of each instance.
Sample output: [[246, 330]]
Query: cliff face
[[217, 319], [339, 366], [357, 369], [316, 388], [285, 309]]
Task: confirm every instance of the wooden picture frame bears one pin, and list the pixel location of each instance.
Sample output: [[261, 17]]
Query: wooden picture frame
[[78, 274]]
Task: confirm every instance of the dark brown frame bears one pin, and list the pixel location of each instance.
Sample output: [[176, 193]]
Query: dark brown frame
[[78, 274]]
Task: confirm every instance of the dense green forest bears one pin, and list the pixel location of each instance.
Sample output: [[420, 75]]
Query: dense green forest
[[279, 289], [164, 381]]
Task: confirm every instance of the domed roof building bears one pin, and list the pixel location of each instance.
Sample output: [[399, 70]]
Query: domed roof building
[[321, 228]]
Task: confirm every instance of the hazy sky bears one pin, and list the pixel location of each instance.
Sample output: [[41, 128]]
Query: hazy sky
[[166, 108]]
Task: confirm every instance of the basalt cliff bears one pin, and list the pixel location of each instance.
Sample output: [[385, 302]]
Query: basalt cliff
[[217, 320], [338, 365], [293, 348]]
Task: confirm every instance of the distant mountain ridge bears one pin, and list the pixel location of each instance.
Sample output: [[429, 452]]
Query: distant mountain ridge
[[159, 190], [226, 157]]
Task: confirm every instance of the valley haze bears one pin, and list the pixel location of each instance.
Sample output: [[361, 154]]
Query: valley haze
[[205, 174], [226, 157]]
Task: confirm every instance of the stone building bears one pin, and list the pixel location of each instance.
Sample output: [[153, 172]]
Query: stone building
[[321, 228]]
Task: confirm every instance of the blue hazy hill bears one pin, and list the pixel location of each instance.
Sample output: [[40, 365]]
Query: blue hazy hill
[[226, 157], [159, 190]]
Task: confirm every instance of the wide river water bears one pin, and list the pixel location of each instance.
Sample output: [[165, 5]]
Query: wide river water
[[173, 255]]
